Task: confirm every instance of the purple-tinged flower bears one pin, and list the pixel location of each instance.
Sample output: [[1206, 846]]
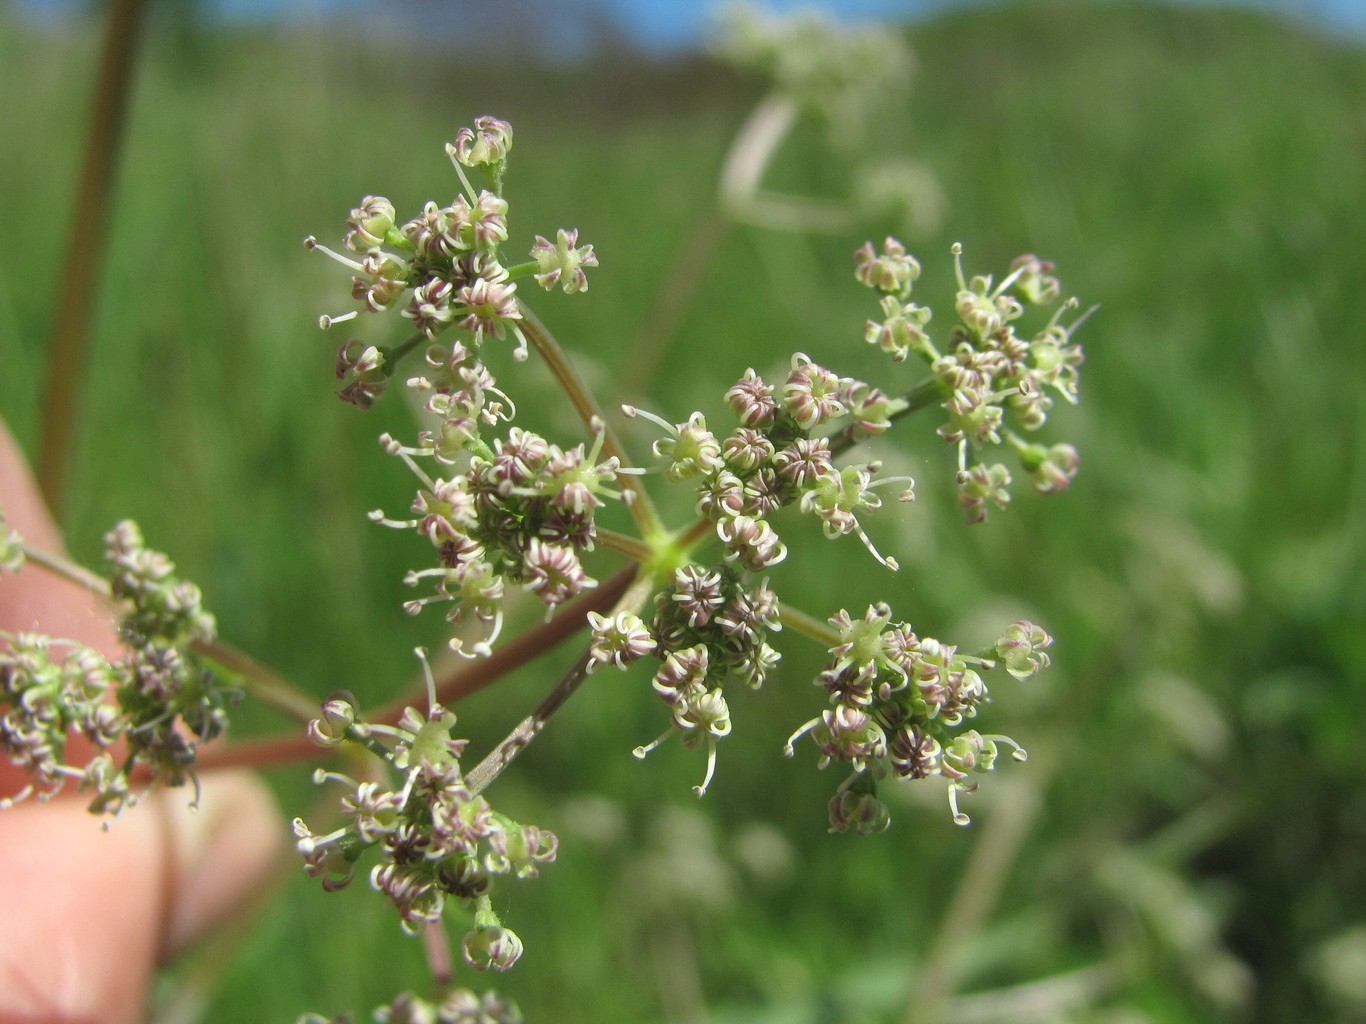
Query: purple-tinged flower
[[683, 673], [901, 331], [563, 262], [412, 892], [981, 484], [374, 809], [746, 450], [859, 810], [913, 754], [813, 395], [752, 401], [894, 271], [486, 144], [381, 282], [463, 1007], [1021, 649], [430, 307], [697, 594], [553, 572], [369, 224], [619, 640], [487, 221], [1033, 279], [751, 542], [804, 461], [331, 727], [486, 306], [493, 946], [721, 496], [692, 450], [851, 735], [1050, 469]]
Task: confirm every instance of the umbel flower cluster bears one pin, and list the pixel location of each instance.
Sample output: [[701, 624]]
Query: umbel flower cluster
[[503, 507], [834, 69], [460, 1006], [521, 512], [72, 716], [506, 507], [436, 839], [991, 375], [442, 269], [897, 702]]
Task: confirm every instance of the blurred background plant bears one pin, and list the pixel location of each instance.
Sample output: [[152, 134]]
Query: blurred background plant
[[1188, 842]]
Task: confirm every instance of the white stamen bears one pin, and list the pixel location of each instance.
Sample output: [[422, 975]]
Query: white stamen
[[959, 818], [325, 321], [701, 790], [639, 753], [632, 412], [312, 243], [788, 748]]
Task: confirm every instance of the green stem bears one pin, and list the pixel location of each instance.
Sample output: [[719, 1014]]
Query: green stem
[[637, 499], [808, 626], [85, 254], [929, 391], [624, 544], [264, 684], [393, 355], [60, 565], [519, 270]]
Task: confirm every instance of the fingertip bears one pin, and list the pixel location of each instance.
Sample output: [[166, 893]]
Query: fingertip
[[223, 854]]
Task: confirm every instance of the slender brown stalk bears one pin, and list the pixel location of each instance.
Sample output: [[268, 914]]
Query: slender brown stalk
[[77, 285], [260, 752], [638, 499], [530, 727], [438, 949]]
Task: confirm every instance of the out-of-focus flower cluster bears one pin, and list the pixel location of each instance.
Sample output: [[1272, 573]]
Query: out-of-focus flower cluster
[[990, 376], [144, 713], [435, 839], [898, 703], [460, 1006], [837, 70], [853, 78], [514, 509], [11, 547]]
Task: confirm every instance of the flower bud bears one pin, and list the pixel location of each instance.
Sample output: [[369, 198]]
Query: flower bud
[[863, 812], [338, 715], [494, 946], [487, 143]]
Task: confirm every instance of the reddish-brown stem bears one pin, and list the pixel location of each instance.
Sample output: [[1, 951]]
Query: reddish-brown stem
[[438, 953], [536, 641], [260, 752], [77, 283], [479, 778], [270, 751]]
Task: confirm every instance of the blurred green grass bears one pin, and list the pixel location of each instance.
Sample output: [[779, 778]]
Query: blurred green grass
[[1197, 753]]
